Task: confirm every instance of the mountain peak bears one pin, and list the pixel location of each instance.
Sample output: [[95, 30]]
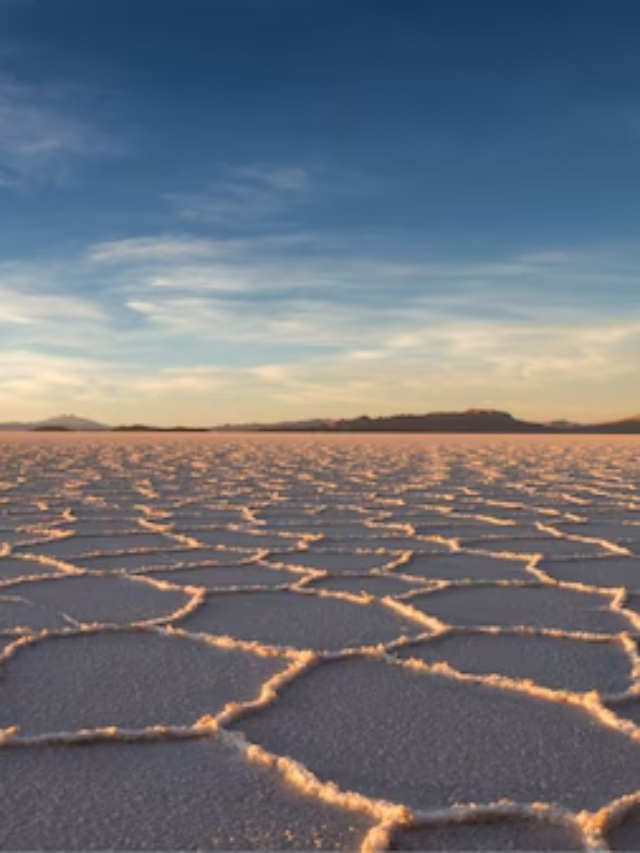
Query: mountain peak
[[72, 423]]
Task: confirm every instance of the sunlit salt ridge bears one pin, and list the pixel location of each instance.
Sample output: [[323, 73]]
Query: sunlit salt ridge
[[319, 642]]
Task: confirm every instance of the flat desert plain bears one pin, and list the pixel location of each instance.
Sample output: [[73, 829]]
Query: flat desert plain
[[319, 642]]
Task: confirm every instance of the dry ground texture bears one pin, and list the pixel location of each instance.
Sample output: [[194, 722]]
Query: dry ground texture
[[330, 642]]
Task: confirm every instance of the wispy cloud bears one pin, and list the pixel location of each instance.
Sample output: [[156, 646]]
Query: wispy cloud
[[29, 297], [280, 178], [246, 195], [313, 293], [272, 327], [42, 133], [153, 249], [258, 197]]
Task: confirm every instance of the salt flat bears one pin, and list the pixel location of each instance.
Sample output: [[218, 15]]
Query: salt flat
[[319, 642]]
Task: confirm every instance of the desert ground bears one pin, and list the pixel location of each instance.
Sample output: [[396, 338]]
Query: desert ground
[[319, 642]]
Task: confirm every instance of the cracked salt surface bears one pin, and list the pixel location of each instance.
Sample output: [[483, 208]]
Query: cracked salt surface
[[449, 733], [111, 679], [625, 835], [303, 621], [556, 662], [242, 539], [501, 834], [331, 642], [461, 566], [78, 546], [609, 571], [536, 606], [337, 561], [10, 569], [63, 601], [548, 547], [376, 585], [221, 577], [164, 559], [160, 796]]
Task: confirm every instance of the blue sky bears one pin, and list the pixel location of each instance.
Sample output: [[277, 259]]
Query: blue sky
[[230, 210]]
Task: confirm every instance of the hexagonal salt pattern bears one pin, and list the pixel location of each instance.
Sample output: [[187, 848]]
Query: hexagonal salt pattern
[[300, 642]]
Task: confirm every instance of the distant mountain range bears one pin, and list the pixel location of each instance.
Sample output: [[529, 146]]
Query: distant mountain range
[[470, 421], [61, 423]]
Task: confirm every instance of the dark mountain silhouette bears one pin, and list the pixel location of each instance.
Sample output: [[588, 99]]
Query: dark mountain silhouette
[[61, 423], [146, 428], [473, 420], [488, 421], [626, 426]]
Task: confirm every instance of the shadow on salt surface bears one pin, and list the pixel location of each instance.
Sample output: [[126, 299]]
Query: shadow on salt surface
[[6, 641], [387, 542], [113, 600], [334, 561], [632, 601], [597, 571], [220, 577], [239, 538], [289, 520], [13, 524], [418, 514], [340, 532], [430, 741], [459, 528], [548, 546], [20, 615], [129, 680], [554, 662], [103, 527], [347, 513], [536, 606], [627, 709], [625, 835], [163, 796], [21, 539], [11, 568], [521, 516], [608, 514], [500, 834], [463, 566], [164, 559], [204, 516], [77, 546], [299, 621], [98, 512], [24, 529], [615, 532], [378, 585]]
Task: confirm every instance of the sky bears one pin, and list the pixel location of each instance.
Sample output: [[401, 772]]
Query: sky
[[217, 211]]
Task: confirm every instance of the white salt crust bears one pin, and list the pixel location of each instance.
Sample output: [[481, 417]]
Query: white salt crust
[[319, 642]]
